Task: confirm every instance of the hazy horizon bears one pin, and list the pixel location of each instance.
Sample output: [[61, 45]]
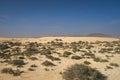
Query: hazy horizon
[[34, 18]]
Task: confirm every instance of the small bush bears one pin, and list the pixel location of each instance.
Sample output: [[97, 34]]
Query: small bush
[[82, 72], [17, 72], [53, 58], [104, 60], [31, 69], [97, 59], [66, 54], [7, 70], [76, 57], [46, 69], [31, 51], [18, 62], [57, 59], [34, 65], [75, 50], [100, 60], [89, 54], [33, 58], [114, 64], [46, 52], [89, 47], [21, 57], [87, 62], [11, 71], [3, 46], [48, 63], [109, 67]]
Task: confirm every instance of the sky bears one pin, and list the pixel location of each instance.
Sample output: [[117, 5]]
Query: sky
[[34, 18]]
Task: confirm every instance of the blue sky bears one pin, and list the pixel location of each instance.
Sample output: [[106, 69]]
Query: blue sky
[[34, 18]]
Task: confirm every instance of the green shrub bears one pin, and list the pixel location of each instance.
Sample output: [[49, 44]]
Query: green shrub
[[82, 72]]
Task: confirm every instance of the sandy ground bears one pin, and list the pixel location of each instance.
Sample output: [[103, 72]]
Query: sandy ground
[[65, 39], [54, 72]]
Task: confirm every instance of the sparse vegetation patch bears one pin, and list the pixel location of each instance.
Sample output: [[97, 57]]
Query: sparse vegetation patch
[[48, 63], [82, 72]]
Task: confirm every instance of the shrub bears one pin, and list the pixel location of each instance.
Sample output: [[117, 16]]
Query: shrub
[[100, 60], [53, 58], [34, 65], [114, 64], [18, 62], [89, 46], [109, 67], [48, 63], [3, 46], [60, 44], [45, 52], [11, 71], [5, 55], [57, 44], [102, 50], [21, 57], [31, 51], [104, 60], [16, 51], [57, 59], [17, 72], [66, 54], [87, 62], [33, 58], [31, 69], [82, 72], [76, 57], [97, 59], [46, 69], [7, 70], [89, 54], [75, 50]]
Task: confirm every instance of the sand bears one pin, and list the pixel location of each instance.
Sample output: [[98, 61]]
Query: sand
[[54, 72]]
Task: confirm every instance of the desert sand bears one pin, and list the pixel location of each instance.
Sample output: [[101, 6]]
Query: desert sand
[[53, 72]]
